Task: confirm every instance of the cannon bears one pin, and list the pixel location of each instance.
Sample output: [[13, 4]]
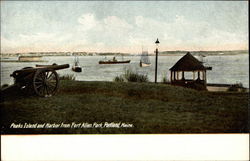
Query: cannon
[[43, 80]]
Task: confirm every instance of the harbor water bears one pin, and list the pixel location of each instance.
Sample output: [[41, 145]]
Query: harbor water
[[226, 69]]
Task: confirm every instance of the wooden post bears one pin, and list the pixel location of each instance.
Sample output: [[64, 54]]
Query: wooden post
[[198, 74], [174, 76], [156, 63], [170, 76], [183, 77], [205, 77]]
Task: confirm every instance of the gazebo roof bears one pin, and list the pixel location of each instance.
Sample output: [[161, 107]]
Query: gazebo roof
[[188, 63]]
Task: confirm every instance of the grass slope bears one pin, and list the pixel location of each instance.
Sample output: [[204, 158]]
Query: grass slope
[[151, 108]]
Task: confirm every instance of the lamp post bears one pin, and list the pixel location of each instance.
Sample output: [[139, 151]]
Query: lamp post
[[156, 58]]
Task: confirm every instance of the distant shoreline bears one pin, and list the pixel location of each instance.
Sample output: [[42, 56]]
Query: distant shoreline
[[17, 61], [175, 53], [75, 53]]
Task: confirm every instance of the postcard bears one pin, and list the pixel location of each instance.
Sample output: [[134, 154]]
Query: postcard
[[124, 67]]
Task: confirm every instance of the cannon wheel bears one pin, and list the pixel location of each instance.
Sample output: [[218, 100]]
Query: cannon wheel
[[45, 82]]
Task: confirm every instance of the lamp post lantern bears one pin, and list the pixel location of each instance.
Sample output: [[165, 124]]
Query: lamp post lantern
[[156, 58]]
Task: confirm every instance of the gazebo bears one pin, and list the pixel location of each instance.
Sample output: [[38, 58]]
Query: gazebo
[[188, 64]]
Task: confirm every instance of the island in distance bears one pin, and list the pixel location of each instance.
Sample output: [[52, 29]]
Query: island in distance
[[161, 53]]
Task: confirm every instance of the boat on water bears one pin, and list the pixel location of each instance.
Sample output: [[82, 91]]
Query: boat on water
[[145, 61], [24, 59], [30, 58], [113, 61], [76, 67]]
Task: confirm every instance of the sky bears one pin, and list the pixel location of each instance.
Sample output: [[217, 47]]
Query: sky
[[123, 26]]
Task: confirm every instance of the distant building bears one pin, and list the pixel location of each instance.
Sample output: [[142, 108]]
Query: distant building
[[188, 64]]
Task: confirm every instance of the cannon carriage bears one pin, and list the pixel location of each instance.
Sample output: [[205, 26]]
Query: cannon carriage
[[42, 80]]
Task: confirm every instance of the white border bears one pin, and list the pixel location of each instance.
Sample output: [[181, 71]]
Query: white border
[[125, 147]]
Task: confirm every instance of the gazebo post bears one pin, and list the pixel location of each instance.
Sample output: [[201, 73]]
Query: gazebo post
[[183, 75], [199, 75], [205, 77], [171, 76]]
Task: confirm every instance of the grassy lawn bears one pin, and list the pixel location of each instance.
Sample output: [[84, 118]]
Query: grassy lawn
[[149, 107]]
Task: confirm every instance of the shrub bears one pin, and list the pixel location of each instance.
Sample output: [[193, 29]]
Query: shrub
[[131, 76], [143, 78], [236, 88], [119, 79], [67, 77], [165, 80]]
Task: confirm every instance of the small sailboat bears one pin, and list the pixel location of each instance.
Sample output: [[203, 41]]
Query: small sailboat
[[145, 61], [76, 67]]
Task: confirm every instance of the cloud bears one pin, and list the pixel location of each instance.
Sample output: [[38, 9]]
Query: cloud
[[115, 22], [118, 34], [88, 21], [35, 42], [182, 33], [111, 31]]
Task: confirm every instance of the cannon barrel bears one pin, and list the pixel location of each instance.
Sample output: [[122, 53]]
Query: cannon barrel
[[53, 66], [32, 70]]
